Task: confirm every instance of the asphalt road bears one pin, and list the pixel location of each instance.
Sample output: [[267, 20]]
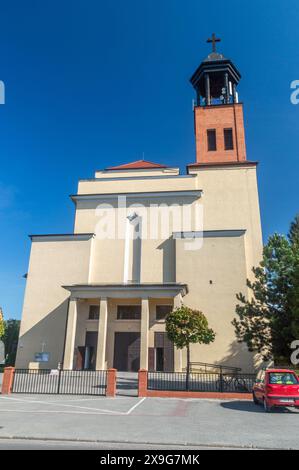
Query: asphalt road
[[153, 422]]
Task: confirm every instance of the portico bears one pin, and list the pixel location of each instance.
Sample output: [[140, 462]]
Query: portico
[[120, 340]]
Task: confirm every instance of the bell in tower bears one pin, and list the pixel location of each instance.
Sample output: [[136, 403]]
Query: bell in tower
[[219, 124], [216, 79]]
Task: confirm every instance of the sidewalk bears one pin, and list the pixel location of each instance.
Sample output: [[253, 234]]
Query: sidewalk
[[127, 384]]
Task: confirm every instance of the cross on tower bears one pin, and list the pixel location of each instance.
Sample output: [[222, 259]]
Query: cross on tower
[[213, 40]]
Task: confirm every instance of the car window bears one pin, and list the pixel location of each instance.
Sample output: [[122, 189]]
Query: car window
[[282, 378]]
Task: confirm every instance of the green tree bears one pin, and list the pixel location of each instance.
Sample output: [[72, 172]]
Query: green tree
[[293, 296], [2, 324], [10, 340], [185, 326], [294, 232], [268, 321], [294, 303]]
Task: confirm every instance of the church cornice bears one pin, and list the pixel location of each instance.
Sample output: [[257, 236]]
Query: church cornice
[[61, 237], [210, 234], [137, 195], [139, 290]]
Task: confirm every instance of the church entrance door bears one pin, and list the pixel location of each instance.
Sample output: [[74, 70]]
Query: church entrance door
[[127, 351]]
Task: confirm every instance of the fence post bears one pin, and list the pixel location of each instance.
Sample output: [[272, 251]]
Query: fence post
[[7, 380], [221, 380], [59, 378], [111, 383], [142, 383]]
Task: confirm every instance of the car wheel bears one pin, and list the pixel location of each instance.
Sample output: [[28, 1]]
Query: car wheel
[[267, 408], [255, 400]]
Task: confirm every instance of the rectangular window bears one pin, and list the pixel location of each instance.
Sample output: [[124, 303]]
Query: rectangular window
[[162, 311], [228, 139], [211, 135], [282, 378], [94, 312], [129, 312]]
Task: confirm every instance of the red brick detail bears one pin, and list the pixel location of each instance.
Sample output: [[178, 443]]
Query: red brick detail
[[111, 383], [139, 164], [7, 380], [142, 383], [182, 394], [220, 118]]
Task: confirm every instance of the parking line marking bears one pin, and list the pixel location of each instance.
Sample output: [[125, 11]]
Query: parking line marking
[[57, 404], [56, 411], [94, 399], [135, 406]]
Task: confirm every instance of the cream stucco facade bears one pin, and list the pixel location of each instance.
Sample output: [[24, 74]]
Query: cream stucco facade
[[68, 273], [147, 239]]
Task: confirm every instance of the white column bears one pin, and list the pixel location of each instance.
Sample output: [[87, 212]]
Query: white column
[[178, 359], [69, 348], [144, 334], [132, 254], [102, 335], [128, 241]]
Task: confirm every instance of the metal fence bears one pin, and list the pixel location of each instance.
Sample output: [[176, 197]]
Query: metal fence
[[65, 382], [201, 367], [201, 382]]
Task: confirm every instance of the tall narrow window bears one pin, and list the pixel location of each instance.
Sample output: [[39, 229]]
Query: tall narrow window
[[94, 312], [211, 135], [228, 139], [162, 311]]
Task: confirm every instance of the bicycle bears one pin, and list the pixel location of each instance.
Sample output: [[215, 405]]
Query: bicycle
[[232, 384]]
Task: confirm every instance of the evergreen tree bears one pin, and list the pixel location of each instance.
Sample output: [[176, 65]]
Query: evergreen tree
[[294, 232], [2, 324], [10, 340], [268, 321], [294, 290]]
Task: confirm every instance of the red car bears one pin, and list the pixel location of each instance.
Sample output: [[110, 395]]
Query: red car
[[276, 387]]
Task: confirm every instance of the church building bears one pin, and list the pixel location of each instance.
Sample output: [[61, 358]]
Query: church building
[[146, 239]]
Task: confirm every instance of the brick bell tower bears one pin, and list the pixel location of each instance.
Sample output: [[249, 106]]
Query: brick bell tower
[[218, 115]]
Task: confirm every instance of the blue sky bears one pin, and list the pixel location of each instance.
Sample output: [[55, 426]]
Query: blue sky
[[96, 83]]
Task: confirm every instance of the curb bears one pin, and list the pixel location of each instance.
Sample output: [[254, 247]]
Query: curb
[[182, 444]]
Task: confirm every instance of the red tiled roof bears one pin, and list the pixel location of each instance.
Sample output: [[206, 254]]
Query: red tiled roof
[[138, 165]]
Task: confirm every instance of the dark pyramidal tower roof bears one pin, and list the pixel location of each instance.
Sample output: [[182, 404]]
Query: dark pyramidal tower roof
[[216, 65]]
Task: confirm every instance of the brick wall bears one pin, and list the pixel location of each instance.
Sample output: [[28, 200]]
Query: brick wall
[[219, 118]]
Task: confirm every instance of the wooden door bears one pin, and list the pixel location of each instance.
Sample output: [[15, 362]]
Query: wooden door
[[127, 351], [134, 352], [151, 359], [164, 352], [91, 341], [168, 355], [80, 358]]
